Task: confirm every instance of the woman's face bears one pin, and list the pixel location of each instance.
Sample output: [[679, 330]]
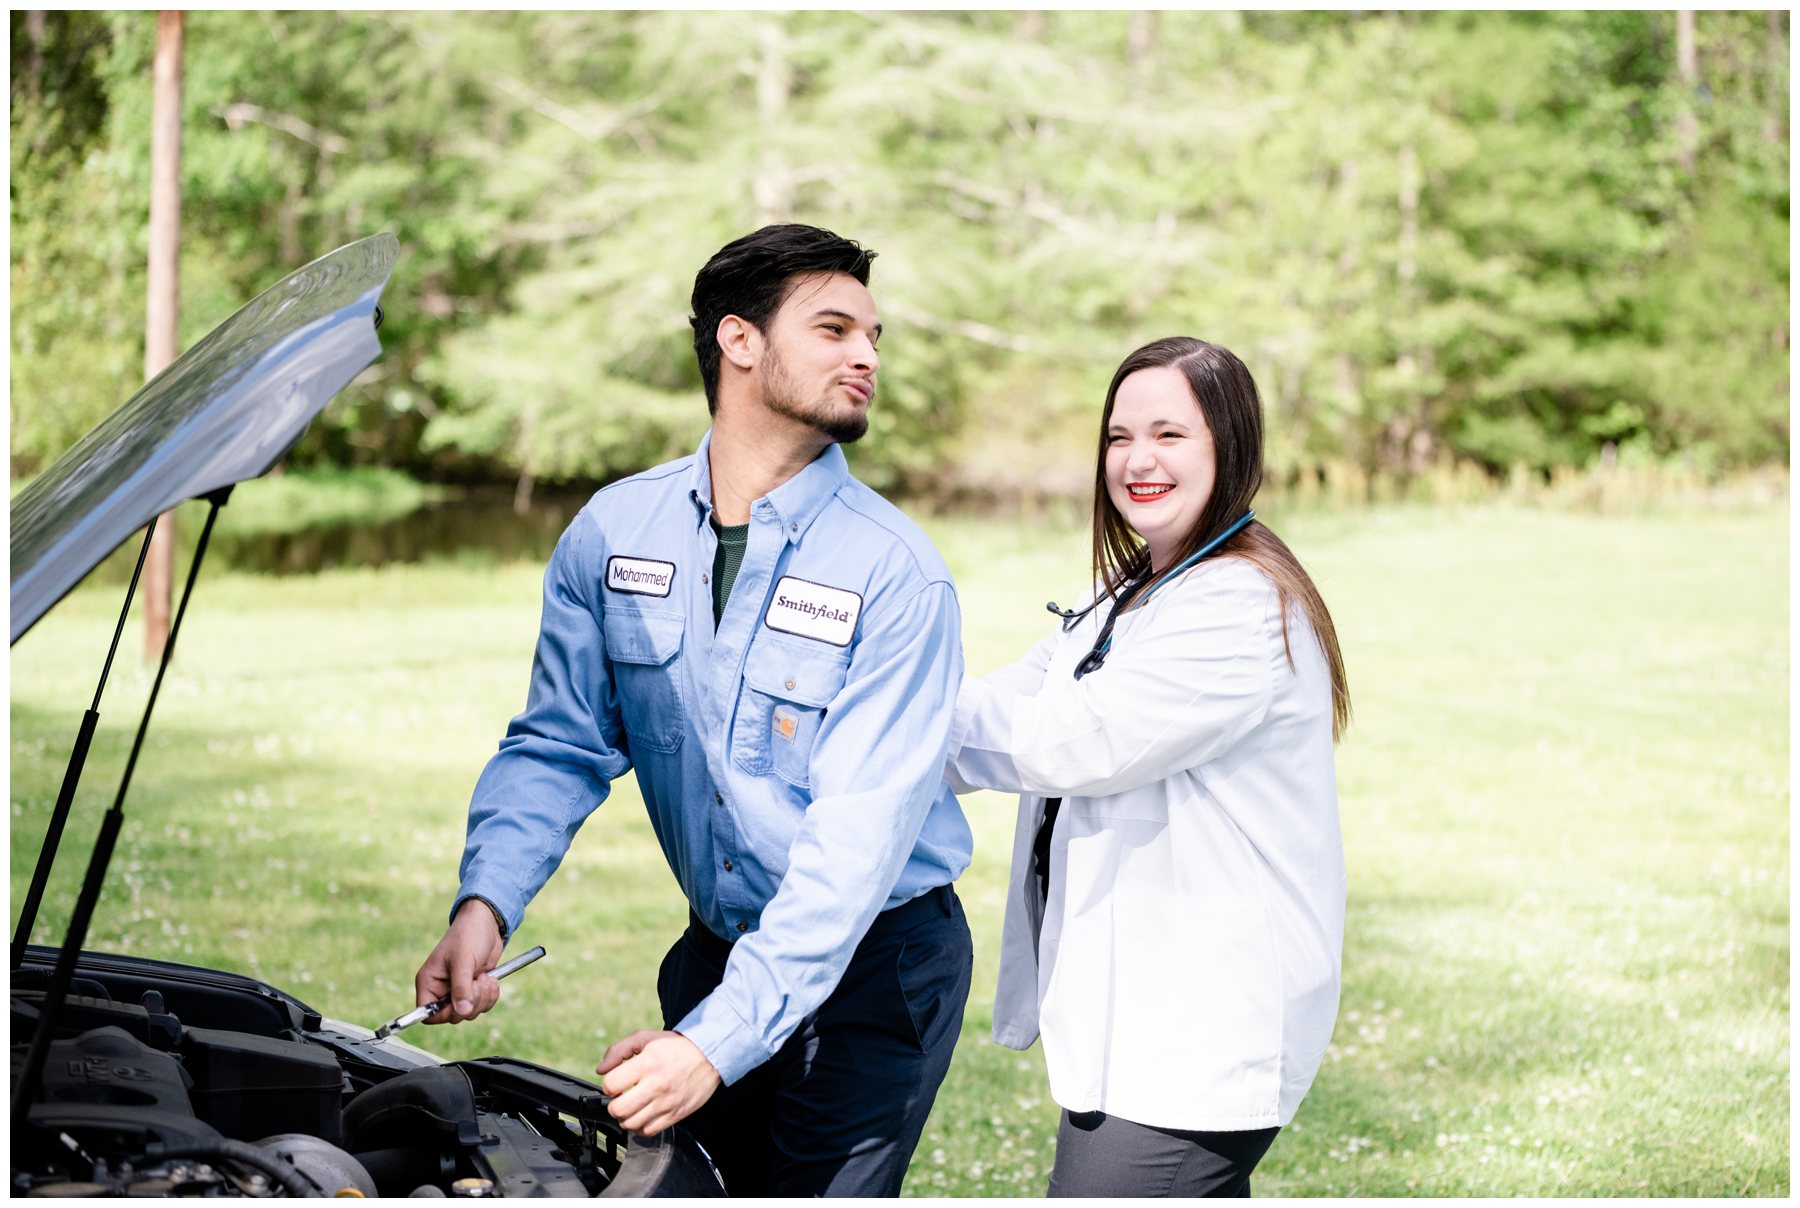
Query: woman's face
[[1159, 459]]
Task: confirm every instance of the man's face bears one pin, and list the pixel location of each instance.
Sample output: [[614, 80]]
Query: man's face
[[819, 362]]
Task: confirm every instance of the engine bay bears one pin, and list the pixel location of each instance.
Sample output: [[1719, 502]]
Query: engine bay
[[171, 1080]]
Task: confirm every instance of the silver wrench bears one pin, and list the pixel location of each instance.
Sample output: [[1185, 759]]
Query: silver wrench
[[431, 1008]]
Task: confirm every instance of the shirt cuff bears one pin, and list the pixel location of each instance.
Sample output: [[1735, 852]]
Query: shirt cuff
[[507, 922], [723, 1038]]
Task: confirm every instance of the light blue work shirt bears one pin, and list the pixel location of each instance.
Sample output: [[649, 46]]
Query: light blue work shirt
[[792, 763]]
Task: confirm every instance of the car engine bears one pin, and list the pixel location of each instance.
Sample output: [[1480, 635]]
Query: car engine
[[171, 1080]]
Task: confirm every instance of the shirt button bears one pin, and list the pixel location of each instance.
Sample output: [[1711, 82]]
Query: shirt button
[[790, 685], [728, 866], [704, 579], [794, 527], [743, 926], [718, 800]]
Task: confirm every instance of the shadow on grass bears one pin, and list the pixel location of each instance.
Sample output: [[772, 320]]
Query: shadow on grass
[[1493, 1067]]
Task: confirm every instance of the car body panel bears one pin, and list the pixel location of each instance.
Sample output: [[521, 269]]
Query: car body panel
[[224, 411]]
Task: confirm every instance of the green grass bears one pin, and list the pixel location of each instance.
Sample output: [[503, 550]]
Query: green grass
[[1564, 797]]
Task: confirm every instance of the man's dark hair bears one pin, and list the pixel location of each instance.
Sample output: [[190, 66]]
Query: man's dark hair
[[751, 277]]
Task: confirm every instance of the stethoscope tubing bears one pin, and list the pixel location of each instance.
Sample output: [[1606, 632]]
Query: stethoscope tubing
[[1093, 659]]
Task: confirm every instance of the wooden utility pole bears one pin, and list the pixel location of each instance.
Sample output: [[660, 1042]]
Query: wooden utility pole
[[163, 306], [1140, 36], [36, 29], [1687, 66], [1774, 127]]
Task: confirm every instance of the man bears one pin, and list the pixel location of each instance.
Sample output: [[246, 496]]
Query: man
[[775, 650]]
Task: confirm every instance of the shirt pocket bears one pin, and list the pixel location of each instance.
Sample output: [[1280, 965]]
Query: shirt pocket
[[645, 650], [787, 688]]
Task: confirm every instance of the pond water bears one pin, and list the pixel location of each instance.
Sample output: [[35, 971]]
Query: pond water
[[476, 526]]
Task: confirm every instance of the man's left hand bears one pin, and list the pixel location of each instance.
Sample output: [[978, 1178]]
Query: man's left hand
[[655, 1079]]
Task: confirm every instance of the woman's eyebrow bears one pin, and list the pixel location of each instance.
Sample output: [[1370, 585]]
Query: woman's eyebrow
[[1155, 423]]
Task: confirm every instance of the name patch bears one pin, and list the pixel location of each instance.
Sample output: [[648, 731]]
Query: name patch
[[640, 576], [813, 610]]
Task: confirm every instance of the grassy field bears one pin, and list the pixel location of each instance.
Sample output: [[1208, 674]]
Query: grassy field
[[1564, 797]]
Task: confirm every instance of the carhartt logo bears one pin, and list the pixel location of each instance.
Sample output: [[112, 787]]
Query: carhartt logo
[[640, 576], [813, 610]]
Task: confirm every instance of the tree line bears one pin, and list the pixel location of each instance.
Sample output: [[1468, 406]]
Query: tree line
[[1508, 239]]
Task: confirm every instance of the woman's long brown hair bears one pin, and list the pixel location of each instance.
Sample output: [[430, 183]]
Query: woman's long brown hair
[[1226, 394]]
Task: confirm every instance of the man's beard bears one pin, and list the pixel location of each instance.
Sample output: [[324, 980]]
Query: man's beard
[[841, 422]]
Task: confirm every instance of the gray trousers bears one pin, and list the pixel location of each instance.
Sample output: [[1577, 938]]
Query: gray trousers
[[1102, 1155]]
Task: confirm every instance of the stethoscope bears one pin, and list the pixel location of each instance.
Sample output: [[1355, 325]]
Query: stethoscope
[[1092, 660]]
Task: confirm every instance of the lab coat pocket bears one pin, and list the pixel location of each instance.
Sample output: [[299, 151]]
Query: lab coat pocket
[[645, 650], [1198, 1013], [787, 689]]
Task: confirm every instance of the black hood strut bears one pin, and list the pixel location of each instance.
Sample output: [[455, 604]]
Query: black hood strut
[[89, 898], [65, 797]]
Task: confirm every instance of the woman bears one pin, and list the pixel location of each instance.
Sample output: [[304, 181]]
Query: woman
[[1175, 920]]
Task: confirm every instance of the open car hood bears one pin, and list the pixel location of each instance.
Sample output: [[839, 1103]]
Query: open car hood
[[148, 1078], [225, 410]]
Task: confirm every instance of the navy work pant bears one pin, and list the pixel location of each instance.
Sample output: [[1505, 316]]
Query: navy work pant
[[839, 1109]]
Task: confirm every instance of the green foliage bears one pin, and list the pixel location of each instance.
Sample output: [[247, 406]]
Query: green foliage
[[1433, 236], [78, 242], [1720, 338]]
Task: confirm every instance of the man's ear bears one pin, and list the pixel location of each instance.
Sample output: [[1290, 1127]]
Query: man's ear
[[739, 341]]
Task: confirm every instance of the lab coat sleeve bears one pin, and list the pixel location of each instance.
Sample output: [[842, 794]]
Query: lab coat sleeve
[[1189, 680], [1023, 676]]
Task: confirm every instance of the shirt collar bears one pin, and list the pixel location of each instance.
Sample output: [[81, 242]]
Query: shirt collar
[[795, 503], [700, 482]]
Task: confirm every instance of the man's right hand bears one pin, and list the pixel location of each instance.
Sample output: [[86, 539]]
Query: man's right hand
[[459, 966]]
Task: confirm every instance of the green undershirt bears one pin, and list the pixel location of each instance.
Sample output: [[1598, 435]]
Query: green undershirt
[[726, 560]]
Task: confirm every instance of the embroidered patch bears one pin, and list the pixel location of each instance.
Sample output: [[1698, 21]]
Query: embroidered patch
[[787, 723], [640, 576], [813, 610]]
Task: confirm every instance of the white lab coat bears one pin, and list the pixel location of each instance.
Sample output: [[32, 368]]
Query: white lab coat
[[1184, 971]]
